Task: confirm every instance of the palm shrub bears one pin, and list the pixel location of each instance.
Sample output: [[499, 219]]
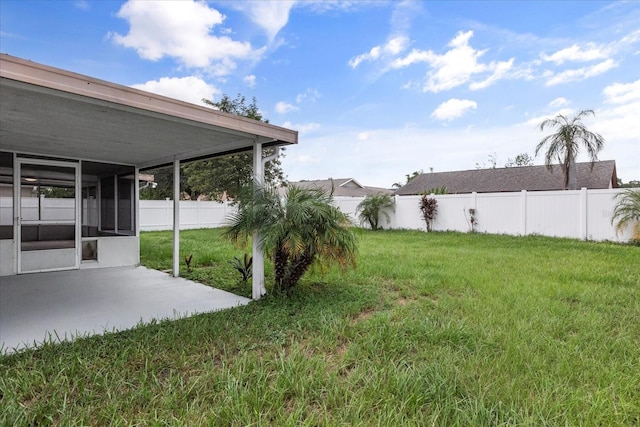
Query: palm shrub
[[370, 208], [571, 135], [437, 190], [429, 209], [627, 212], [298, 230]]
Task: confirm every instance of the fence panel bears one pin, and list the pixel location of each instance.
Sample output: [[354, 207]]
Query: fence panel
[[158, 214], [499, 213], [553, 213], [407, 213], [453, 212], [600, 204], [348, 206], [580, 214]]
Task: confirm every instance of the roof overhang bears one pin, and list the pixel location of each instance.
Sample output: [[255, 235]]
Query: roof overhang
[[52, 112]]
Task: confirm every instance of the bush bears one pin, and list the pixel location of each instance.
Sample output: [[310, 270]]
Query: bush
[[429, 208]]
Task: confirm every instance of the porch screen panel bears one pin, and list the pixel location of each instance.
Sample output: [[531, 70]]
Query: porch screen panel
[[126, 213], [107, 204], [47, 207], [89, 208], [6, 196]]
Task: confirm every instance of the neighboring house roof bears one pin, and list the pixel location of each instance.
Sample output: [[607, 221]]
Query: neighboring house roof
[[342, 187], [531, 178]]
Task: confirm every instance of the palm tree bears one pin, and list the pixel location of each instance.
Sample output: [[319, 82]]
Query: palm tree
[[627, 212], [565, 144], [297, 230], [371, 207]]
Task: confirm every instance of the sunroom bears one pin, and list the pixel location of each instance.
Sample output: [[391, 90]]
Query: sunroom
[[71, 151]]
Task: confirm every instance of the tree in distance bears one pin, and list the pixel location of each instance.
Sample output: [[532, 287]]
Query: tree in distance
[[522, 159], [564, 145]]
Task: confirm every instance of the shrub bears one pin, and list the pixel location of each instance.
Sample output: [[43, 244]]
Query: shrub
[[371, 207], [429, 208], [627, 212]]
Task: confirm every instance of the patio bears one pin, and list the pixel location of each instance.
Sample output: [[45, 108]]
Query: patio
[[63, 305]]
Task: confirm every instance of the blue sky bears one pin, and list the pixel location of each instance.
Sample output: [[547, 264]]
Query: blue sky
[[376, 89]]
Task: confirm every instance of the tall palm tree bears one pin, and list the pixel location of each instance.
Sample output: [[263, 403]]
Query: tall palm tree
[[564, 145], [627, 212], [371, 207], [297, 230]]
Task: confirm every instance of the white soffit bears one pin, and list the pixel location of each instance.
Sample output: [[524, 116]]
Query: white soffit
[[53, 112]]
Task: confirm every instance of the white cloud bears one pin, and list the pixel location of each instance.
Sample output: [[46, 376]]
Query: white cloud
[[580, 73], [455, 67], [394, 46], [250, 80], [181, 30], [190, 89], [619, 93], [302, 128], [306, 158], [576, 53], [284, 107], [535, 121], [390, 153], [310, 95], [82, 4], [558, 102], [618, 123], [363, 136], [271, 15], [500, 70], [453, 109]]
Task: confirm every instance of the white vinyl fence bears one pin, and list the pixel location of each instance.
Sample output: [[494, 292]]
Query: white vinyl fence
[[158, 214], [580, 214]]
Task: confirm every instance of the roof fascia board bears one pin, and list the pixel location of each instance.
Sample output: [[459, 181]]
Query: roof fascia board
[[13, 68], [198, 155]]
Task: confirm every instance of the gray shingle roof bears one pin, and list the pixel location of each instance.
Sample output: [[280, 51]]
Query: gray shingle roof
[[530, 178], [342, 187]]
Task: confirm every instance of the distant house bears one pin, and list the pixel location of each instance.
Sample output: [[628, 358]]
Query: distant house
[[347, 187], [530, 178]]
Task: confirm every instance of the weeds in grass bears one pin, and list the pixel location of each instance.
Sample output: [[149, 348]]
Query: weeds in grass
[[243, 266]]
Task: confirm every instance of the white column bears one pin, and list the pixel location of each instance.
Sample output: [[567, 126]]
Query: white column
[[136, 207], [176, 218], [258, 288]]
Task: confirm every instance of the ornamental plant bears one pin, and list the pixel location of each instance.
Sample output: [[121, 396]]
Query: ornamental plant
[[429, 209]]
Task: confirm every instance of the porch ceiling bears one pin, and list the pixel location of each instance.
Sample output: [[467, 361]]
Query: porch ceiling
[[53, 112]]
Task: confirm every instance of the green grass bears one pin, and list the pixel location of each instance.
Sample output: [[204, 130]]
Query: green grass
[[431, 329]]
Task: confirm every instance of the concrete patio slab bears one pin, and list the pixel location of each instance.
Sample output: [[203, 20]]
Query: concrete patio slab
[[62, 305]]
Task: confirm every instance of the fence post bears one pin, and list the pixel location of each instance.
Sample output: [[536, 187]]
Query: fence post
[[583, 213], [396, 199], [523, 213], [474, 201], [168, 213]]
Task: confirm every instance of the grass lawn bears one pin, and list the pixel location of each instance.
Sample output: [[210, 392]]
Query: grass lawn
[[431, 329]]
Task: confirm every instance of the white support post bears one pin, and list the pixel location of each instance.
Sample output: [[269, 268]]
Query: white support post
[[176, 218], [136, 207], [258, 287]]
